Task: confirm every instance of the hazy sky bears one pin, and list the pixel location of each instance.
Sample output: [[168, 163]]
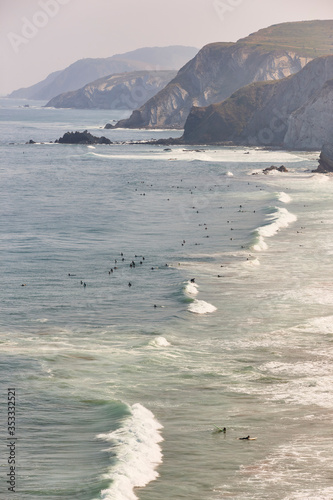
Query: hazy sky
[[41, 36]]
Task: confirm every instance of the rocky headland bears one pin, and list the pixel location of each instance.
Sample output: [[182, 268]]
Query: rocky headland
[[295, 112], [220, 69], [124, 91]]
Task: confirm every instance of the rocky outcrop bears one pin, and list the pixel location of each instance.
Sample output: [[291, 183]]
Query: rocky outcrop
[[82, 138], [326, 159], [84, 71], [282, 169], [219, 69], [124, 91], [261, 113], [227, 121]]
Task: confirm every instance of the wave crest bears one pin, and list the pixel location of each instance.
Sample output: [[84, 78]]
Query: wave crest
[[138, 454]]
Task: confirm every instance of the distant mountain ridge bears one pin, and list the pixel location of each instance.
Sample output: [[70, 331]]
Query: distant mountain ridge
[[120, 91], [219, 69], [85, 71]]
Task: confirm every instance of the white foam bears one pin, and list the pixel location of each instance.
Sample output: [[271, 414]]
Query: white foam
[[320, 178], [313, 295], [201, 307], [277, 220], [191, 288], [260, 245], [297, 369], [311, 494], [323, 325], [159, 342], [138, 454], [252, 262], [300, 465], [284, 197], [311, 383], [221, 155]]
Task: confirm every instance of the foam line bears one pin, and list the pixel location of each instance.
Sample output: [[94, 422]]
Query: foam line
[[280, 218], [136, 444]]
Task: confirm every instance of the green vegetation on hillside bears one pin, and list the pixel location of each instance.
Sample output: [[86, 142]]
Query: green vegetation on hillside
[[308, 38]]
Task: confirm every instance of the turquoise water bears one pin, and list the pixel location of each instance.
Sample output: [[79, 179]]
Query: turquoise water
[[118, 387]]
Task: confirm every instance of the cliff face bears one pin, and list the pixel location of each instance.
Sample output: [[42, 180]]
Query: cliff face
[[270, 113], [310, 126], [212, 76], [84, 71], [124, 91], [220, 69], [227, 121], [326, 159]]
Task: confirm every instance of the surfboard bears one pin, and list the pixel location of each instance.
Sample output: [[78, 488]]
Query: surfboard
[[218, 428], [248, 439]]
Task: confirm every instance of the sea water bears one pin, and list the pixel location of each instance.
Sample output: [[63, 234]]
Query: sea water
[[122, 371]]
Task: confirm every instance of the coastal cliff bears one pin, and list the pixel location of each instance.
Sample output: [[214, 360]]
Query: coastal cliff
[[220, 69], [270, 113], [212, 76], [310, 126], [124, 91]]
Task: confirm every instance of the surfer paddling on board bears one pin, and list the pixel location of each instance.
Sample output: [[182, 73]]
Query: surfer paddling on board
[[219, 429], [248, 438]]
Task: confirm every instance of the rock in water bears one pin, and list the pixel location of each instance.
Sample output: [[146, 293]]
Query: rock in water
[[278, 169], [326, 159], [82, 138]]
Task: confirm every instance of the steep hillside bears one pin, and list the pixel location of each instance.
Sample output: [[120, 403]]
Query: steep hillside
[[310, 126], [271, 113], [219, 69], [84, 71], [124, 91]]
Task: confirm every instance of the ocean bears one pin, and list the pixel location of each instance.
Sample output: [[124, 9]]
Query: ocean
[[151, 294]]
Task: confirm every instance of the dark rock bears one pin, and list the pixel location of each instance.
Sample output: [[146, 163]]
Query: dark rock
[[82, 138], [108, 125], [172, 141], [134, 121], [325, 159], [279, 169], [31, 142]]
